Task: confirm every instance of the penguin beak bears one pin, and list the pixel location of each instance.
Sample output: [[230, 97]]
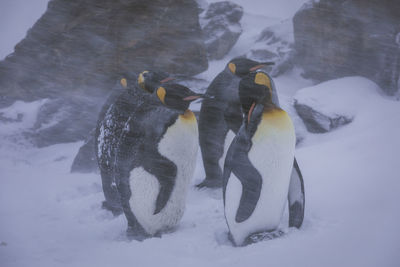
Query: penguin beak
[[268, 63], [250, 111], [257, 67], [167, 80], [192, 97], [262, 65]]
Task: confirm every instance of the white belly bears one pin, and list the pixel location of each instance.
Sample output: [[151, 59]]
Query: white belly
[[179, 144], [228, 140], [272, 154]]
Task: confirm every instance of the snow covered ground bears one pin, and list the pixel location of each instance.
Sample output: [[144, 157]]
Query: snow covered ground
[[49, 217]]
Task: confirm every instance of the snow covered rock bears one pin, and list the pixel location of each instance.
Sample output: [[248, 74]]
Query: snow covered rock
[[349, 37], [221, 28], [334, 103], [275, 43], [62, 120]]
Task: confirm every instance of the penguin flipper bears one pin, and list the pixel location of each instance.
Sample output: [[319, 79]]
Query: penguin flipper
[[251, 188], [237, 162], [165, 171], [296, 197]]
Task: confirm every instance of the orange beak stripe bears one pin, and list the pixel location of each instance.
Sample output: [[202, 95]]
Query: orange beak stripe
[[166, 80], [250, 111], [191, 97], [257, 67]]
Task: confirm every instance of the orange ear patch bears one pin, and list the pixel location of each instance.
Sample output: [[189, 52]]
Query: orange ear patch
[[124, 82], [232, 67], [161, 94], [263, 79]]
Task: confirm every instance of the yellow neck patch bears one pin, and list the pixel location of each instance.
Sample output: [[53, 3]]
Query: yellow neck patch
[[278, 118], [232, 67], [161, 94], [188, 117], [124, 82], [274, 122]]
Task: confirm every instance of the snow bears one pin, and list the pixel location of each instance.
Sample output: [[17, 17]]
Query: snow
[[344, 96], [282, 10], [20, 116], [50, 217]]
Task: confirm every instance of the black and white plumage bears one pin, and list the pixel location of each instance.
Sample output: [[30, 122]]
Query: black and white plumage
[[220, 120], [220, 117], [112, 119], [259, 162], [155, 161]]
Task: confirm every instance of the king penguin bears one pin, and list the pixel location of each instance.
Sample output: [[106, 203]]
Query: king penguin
[[259, 163], [112, 119], [155, 161], [220, 119]]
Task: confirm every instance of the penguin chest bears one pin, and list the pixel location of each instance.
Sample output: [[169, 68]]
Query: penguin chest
[[179, 144], [227, 142], [272, 155]]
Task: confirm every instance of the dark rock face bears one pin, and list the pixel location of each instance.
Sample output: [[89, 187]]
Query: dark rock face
[[221, 28], [77, 49], [317, 122], [336, 38], [85, 161]]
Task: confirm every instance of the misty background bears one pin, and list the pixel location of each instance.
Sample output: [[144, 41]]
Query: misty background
[[16, 17], [337, 75]]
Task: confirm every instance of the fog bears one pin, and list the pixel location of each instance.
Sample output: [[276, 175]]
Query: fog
[[16, 17], [336, 78]]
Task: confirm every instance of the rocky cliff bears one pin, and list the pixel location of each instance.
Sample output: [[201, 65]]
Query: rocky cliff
[[77, 49]]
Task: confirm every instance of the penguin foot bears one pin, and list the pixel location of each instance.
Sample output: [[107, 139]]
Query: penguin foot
[[210, 183], [133, 233], [262, 236], [116, 211]]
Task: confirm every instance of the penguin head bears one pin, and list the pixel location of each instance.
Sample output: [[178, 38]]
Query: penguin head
[[242, 66], [254, 89], [150, 80], [176, 96], [126, 78]]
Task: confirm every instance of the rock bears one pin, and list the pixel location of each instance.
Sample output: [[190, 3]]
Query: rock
[[77, 49], [317, 122], [349, 37], [275, 43], [221, 28], [334, 103], [63, 120], [85, 161]]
